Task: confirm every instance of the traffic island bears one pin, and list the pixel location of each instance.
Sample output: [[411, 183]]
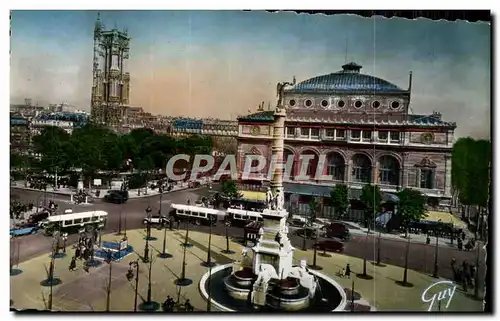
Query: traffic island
[[364, 276], [149, 306], [14, 272], [51, 282], [405, 284], [183, 282], [165, 255]]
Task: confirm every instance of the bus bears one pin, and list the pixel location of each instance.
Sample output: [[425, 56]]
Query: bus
[[197, 215], [72, 223], [246, 204], [240, 217]]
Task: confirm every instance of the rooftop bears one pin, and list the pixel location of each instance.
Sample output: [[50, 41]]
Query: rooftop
[[348, 80]]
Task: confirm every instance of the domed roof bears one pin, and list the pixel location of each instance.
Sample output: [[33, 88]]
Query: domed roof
[[348, 80]]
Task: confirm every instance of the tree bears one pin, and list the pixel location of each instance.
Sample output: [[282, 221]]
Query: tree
[[340, 199], [54, 145], [371, 198], [411, 206], [230, 189], [313, 210]]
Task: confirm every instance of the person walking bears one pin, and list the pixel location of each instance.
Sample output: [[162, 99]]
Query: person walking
[[348, 271], [72, 264]]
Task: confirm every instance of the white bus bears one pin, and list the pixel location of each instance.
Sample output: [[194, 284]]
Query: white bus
[[71, 223], [241, 217], [195, 214]]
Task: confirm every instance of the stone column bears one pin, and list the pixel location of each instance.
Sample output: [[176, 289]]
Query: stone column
[[277, 149], [375, 178]]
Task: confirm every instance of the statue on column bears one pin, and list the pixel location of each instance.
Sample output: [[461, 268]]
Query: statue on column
[[280, 91]]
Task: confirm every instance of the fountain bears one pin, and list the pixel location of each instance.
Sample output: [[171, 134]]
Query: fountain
[[269, 281]]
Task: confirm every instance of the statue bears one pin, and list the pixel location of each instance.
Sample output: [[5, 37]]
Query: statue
[[269, 198], [279, 201], [280, 91]]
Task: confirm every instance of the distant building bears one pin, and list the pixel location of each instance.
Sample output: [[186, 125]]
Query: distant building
[[362, 126], [20, 135]]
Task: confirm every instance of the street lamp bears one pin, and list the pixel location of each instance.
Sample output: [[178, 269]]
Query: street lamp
[[164, 254], [435, 273], [145, 258], [149, 305], [13, 261], [209, 262], [109, 260], [405, 273], [130, 276], [227, 223], [186, 238], [120, 222], [182, 280]]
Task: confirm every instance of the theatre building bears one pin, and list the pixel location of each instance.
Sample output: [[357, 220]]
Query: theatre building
[[363, 126]]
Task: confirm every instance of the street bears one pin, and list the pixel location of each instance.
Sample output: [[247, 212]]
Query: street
[[421, 256]]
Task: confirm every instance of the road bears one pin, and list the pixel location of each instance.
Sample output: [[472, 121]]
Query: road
[[421, 257]]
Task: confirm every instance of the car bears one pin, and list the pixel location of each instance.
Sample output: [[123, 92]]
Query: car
[[156, 219], [332, 245], [337, 230], [116, 196]]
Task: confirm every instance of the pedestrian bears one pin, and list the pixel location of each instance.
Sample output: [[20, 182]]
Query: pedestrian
[[348, 271], [78, 252], [188, 306], [72, 264]]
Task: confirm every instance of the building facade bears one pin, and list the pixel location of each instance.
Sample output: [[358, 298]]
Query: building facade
[[20, 134], [361, 127]]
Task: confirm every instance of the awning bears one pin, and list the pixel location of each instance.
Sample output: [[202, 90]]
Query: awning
[[306, 189], [254, 196], [445, 217]]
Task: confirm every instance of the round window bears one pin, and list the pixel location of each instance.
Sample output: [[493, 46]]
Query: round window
[[324, 103], [309, 103], [358, 104], [376, 104], [341, 103], [292, 102], [395, 104]]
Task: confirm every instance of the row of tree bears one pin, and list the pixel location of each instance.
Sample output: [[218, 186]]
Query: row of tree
[[93, 148], [470, 171]]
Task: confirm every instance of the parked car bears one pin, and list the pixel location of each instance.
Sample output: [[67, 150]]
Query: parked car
[[116, 196], [337, 230], [332, 245], [156, 219]]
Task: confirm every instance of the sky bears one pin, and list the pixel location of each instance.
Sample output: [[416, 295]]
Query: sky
[[223, 63]]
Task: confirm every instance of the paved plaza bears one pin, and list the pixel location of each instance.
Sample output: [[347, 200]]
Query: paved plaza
[[82, 291]]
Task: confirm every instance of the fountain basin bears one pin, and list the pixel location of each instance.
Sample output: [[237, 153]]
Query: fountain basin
[[245, 277], [288, 286], [226, 296]]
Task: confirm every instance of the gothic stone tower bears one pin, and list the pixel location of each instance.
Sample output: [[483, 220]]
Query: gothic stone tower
[[111, 84]]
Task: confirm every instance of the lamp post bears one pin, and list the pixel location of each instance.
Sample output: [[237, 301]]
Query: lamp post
[[164, 254], [149, 305], [120, 222], [182, 280], [109, 260], [378, 246], [130, 276], [209, 262], [405, 273], [186, 238], [435, 273], [227, 223], [476, 276], [145, 257]]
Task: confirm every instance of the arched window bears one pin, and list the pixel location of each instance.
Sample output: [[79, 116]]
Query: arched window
[[361, 169], [289, 169], [427, 173], [312, 164], [389, 170], [335, 166]]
